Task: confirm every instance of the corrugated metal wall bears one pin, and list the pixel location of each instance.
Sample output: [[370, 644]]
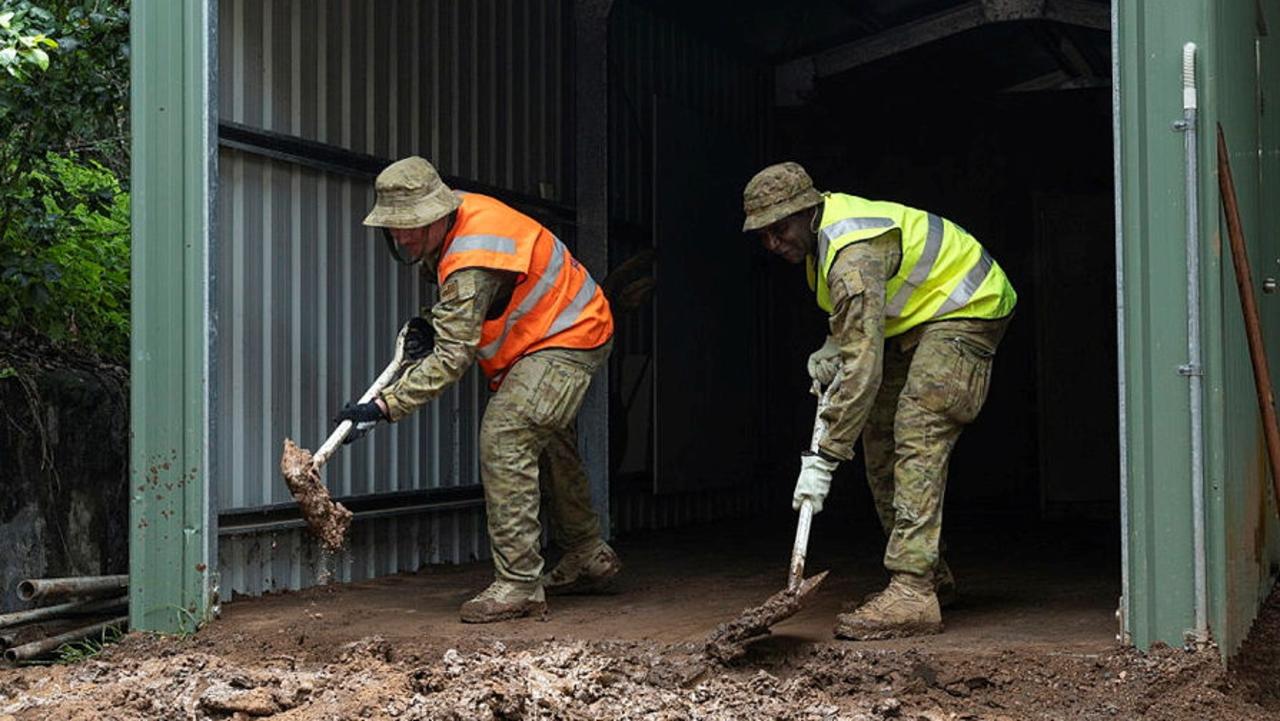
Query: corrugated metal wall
[[646, 511], [652, 55], [306, 302], [478, 87], [1236, 68], [289, 559], [1244, 536]]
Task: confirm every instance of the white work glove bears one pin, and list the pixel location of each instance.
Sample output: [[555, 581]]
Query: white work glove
[[814, 481], [824, 363]]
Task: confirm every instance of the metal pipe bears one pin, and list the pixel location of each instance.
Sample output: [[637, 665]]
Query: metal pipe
[[1193, 370], [37, 589], [286, 524], [1121, 409], [103, 605], [6, 640], [36, 649]]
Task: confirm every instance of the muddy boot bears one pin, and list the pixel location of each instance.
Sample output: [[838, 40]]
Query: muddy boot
[[503, 600], [944, 585], [590, 568], [908, 607]]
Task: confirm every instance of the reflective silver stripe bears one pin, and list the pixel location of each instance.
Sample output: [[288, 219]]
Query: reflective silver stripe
[[840, 227], [963, 293], [921, 270], [569, 315], [540, 289], [495, 243]]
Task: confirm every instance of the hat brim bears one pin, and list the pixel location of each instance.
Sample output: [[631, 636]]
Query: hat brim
[[415, 215], [769, 215]]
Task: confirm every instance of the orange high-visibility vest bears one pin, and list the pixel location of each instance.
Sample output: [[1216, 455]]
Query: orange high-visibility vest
[[555, 303]]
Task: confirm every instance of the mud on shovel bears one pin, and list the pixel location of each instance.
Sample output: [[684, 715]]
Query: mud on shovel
[[327, 519], [729, 640]]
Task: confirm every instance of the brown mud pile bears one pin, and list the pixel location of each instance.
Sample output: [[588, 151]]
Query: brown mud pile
[[728, 642], [1256, 667], [146, 678], [327, 520]]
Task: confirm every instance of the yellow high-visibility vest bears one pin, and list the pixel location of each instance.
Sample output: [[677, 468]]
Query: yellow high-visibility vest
[[945, 272]]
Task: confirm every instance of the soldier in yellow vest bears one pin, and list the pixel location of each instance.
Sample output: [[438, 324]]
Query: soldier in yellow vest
[[917, 308]]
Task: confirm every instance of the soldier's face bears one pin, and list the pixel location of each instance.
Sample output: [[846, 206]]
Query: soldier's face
[[417, 243], [789, 237]]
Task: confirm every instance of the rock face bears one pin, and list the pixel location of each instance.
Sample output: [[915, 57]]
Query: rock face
[[64, 459]]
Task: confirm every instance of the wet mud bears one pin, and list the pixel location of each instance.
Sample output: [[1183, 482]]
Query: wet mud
[[372, 678], [729, 641], [327, 520]]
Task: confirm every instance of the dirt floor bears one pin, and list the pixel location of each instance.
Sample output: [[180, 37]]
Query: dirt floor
[[1033, 637]]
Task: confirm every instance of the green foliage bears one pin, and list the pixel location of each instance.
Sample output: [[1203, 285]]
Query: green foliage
[[18, 50], [64, 163], [80, 101], [71, 653], [64, 272]]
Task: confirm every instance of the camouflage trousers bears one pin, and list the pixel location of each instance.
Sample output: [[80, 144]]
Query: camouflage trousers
[[935, 382], [529, 445]]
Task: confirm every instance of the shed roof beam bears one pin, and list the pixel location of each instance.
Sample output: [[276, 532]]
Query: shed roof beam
[[946, 24]]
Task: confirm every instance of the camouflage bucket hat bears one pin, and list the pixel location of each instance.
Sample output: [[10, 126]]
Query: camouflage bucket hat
[[776, 192], [410, 195]]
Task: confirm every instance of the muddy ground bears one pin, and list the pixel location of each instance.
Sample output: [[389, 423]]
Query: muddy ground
[[1029, 641]]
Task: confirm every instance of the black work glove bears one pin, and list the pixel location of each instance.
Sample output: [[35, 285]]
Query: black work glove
[[364, 416], [419, 338]]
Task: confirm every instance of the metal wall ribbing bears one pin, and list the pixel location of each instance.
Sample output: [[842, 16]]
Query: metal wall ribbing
[[651, 55], [306, 303], [289, 559], [476, 86]]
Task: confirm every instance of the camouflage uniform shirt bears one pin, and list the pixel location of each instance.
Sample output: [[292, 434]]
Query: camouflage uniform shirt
[[458, 317], [857, 281]]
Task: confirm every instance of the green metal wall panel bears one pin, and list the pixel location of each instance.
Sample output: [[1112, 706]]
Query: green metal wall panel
[[1242, 527], [1160, 603], [1240, 535], [171, 533]]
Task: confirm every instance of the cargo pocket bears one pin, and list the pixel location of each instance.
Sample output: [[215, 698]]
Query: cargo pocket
[[558, 395], [970, 380]]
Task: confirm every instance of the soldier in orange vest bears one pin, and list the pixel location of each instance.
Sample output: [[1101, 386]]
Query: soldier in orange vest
[[514, 300]]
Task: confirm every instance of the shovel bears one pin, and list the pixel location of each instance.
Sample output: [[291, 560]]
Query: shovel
[[729, 640], [327, 519]]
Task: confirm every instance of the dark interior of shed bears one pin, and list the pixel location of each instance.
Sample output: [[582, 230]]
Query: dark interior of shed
[[1004, 128]]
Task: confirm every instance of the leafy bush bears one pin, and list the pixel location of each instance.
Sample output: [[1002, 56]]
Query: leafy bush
[[64, 273], [18, 49], [64, 163]]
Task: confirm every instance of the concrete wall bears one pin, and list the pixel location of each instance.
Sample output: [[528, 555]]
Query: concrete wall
[[64, 506]]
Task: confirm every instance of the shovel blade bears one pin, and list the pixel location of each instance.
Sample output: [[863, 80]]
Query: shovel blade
[[728, 641]]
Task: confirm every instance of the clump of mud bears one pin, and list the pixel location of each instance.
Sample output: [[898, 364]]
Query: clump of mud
[[728, 641], [327, 520]]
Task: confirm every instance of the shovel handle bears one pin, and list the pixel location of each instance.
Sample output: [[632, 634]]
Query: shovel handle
[[344, 428], [801, 546]]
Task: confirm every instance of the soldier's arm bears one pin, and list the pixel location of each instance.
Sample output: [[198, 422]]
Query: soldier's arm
[[857, 281], [457, 318]]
